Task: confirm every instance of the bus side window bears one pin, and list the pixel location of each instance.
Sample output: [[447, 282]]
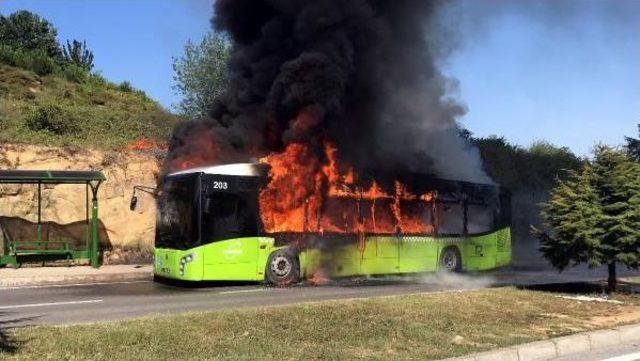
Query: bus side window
[[450, 218], [479, 219]]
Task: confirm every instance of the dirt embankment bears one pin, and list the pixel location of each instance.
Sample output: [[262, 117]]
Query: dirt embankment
[[64, 204]]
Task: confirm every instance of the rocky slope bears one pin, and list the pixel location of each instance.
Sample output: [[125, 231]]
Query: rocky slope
[[65, 204]]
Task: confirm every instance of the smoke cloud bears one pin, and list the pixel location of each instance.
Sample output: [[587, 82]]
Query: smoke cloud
[[361, 74]]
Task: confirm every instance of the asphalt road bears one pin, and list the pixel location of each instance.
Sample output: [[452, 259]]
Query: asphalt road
[[628, 352], [116, 301]]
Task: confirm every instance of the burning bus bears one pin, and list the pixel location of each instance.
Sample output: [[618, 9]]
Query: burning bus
[[353, 127], [241, 222]]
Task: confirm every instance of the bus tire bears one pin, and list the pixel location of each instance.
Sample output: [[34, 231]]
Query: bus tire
[[450, 260], [283, 268]]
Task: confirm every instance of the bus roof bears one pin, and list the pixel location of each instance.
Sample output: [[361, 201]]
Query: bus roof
[[237, 169]]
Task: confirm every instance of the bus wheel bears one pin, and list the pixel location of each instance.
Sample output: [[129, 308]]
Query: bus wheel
[[450, 260], [283, 268]]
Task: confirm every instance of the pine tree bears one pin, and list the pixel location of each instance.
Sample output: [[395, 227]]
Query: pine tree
[[594, 215], [78, 54], [633, 147]]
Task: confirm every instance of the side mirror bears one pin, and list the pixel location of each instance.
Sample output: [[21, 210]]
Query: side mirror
[[133, 203]]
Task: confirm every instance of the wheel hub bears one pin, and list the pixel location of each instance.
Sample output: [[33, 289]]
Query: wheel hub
[[280, 266], [450, 261]]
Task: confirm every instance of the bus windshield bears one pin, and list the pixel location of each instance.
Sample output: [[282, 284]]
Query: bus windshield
[[177, 210], [229, 215]]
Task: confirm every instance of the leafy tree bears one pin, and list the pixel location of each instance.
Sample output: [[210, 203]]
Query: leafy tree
[[633, 147], [78, 54], [201, 74], [594, 215], [28, 31], [533, 168]]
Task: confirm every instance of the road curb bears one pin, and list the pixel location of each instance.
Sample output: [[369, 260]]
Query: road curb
[[561, 346], [91, 276]]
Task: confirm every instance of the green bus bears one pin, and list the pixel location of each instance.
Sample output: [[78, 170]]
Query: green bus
[[209, 229]]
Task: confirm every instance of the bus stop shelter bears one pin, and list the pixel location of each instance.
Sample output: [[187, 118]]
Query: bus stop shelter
[[39, 249]]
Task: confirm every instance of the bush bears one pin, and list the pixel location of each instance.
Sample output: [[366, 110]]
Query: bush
[[7, 55], [75, 73], [54, 119], [97, 80], [37, 61], [40, 63], [126, 87]]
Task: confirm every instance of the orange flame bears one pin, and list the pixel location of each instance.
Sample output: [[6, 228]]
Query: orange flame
[[144, 144], [200, 151], [307, 194]]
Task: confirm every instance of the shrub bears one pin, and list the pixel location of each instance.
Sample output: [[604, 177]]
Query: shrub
[[7, 55], [37, 61], [97, 79], [40, 63], [75, 73], [125, 86], [54, 119]]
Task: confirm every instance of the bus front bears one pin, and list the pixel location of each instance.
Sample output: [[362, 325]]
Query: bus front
[[177, 228], [207, 225]]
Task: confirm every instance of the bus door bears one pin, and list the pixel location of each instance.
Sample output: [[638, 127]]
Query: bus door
[[230, 228]]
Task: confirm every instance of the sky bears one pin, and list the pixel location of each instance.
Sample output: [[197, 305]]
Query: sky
[[565, 71]]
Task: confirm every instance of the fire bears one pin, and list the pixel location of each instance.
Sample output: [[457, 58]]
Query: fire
[[145, 144], [318, 278], [201, 150], [308, 193]]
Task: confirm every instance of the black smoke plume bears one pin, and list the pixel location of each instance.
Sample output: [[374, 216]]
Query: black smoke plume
[[360, 73]]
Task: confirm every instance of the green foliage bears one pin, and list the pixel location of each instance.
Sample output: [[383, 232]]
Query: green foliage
[[519, 168], [126, 87], [93, 114], [96, 79], [74, 73], [29, 42], [77, 53], [37, 60], [52, 118], [201, 74], [633, 147], [27, 31], [594, 215]]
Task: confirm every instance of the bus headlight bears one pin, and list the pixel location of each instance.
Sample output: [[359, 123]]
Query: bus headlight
[[184, 260]]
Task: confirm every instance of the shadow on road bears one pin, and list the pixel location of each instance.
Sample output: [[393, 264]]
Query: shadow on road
[[567, 287], [595, 287], [201, 284], [8, 344]]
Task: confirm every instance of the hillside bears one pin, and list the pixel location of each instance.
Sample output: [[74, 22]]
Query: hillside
[[86, 113]]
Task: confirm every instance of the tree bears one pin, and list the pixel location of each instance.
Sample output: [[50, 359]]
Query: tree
[[78, 54], [593, 216], [633, 147], [201, 74], [28, 31], [518, 168]]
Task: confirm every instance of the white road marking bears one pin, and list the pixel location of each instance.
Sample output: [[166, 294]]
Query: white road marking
[[242, 291], [28, 305], [628, 357], [8, 288]]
